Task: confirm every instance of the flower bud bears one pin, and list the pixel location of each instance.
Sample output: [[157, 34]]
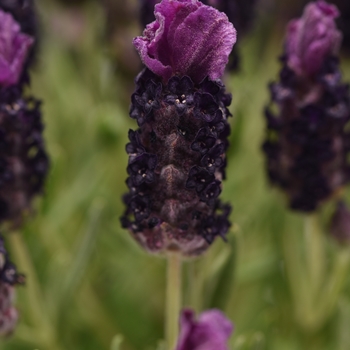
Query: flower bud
[[177, 156], [239, 12], [14, 49], [312, 38], [211, 331]]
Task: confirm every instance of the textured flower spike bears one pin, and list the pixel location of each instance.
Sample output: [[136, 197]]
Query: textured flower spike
[[23, 161], [177, 156], [8, 279], [211, 332], [306, 144], [239, 12]]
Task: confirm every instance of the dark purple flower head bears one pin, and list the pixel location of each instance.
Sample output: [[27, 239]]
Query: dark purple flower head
[[211, 331], [14, 48], [177, 156], [312, 38], [23, 160], [167, 45]]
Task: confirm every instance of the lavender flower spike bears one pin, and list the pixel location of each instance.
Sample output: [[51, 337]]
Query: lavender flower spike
[[307, 140], [14, 48], [210, 332], [312, 38], [187, 38], [177, 156]]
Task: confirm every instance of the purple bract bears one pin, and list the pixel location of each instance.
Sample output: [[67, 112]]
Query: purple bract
[[312, 38], [187, 38], [14, 48], [210, 332]]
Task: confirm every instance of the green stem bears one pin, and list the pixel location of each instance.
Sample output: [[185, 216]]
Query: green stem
[[314, 253], [173, 299], [45, 333]]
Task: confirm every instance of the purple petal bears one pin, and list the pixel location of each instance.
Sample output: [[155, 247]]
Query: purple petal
[[211, 331], [14, 47], [187, 38], [312, 38]]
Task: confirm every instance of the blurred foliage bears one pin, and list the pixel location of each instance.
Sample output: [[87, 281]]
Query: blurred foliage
[[89, 286]]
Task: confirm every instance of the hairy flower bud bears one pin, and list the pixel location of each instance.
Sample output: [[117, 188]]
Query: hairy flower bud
[[239, 12], [312, 38], [306, 143], [166, 47], [211, 331], [177, 156], [14, 48]]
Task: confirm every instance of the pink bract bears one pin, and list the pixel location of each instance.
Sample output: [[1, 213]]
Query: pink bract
[[211, 332], [312, 38], [14, 48], [187, 38]]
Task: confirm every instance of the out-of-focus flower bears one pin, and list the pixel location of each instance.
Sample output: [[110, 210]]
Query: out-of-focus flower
[[312, 38], [23, 12], [340, 223], [8, 279], [306, 143], [177, 156], [211, 331], [14, 48], [23, 160]]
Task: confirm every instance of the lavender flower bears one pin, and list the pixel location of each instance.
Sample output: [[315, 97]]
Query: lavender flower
[[211, 331], [166, 47], [312, 38], [14, 48], [8, 279], [177, 156], [239, 12], [306, 143], [23, 160]]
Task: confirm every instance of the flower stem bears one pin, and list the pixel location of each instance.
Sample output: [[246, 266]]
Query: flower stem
[[173, 299], [314, 253], [44, 330]]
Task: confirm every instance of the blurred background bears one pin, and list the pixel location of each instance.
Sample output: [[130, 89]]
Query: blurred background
[[89, 285]]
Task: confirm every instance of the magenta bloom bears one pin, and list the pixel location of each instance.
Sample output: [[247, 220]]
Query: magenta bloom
[[14, 48], [187, 38], [312, 38], [210, 332]]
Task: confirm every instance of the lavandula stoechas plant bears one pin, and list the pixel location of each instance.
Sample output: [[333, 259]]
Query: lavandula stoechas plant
[[306, 145], [177, 155], [306, 148]]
